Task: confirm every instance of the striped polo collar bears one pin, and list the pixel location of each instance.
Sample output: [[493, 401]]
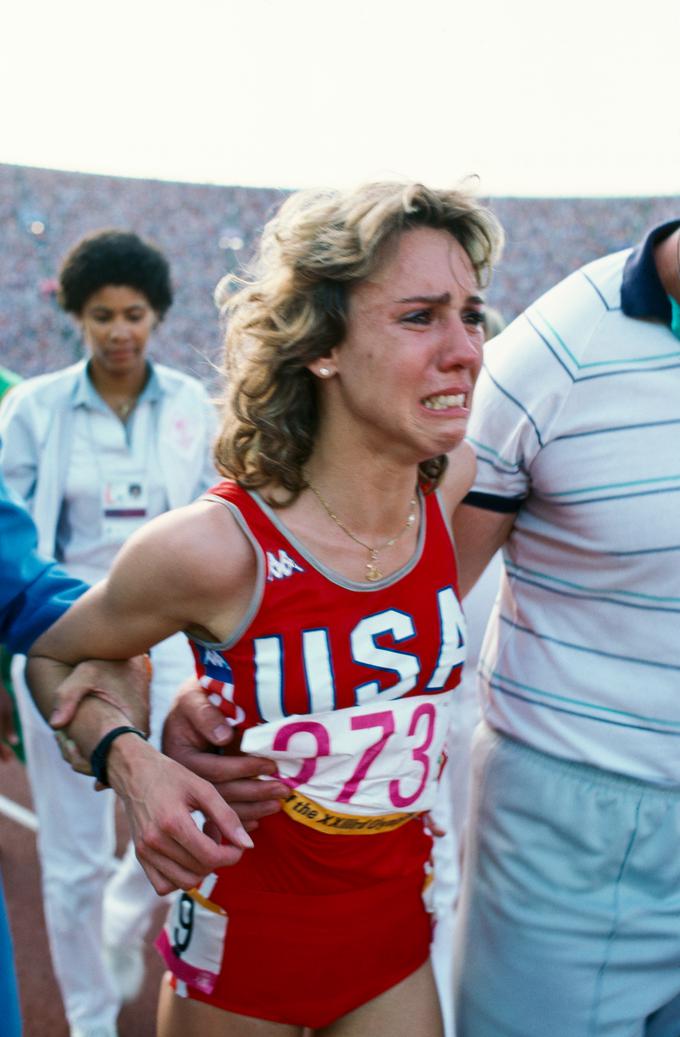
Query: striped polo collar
[[642, 294]]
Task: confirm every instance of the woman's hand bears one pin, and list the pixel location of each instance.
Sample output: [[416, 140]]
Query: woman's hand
[[159, 797]]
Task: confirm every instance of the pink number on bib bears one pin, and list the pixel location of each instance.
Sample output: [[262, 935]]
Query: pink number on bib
[[419, 753], [386, 722], [323, 747]]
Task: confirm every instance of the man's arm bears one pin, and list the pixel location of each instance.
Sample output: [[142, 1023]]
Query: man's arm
[[478, 534], [58, 689]]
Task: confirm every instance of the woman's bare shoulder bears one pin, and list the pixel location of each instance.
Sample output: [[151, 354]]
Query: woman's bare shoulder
[[200, 549]]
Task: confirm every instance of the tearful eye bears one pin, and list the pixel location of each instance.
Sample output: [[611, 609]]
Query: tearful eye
[[417, 317]]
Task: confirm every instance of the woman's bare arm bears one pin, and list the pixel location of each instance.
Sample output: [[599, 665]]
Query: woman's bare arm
[[191, 569], [188, 569], [458, 477], [478, 533]]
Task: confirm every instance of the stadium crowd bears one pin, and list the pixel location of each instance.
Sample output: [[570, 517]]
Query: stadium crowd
[[207, 231], [543, 403]]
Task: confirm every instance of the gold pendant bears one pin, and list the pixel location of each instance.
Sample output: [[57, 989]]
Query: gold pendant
[[373, 572]]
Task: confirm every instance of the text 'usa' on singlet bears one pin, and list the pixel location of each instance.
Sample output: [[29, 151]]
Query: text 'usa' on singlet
[[344, 684], [347, 686]]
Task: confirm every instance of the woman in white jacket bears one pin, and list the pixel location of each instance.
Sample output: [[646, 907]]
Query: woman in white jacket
[[94, 450]]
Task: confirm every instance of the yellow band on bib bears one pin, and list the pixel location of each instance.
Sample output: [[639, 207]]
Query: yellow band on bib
[[309, 813], [209, 905]]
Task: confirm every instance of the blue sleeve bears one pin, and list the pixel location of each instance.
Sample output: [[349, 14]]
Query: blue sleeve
[[34, 592]]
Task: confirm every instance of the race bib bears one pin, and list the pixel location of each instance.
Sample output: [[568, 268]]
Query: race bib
[[377, 759], [192, 939]]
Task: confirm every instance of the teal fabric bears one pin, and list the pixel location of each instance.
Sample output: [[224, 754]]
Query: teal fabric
[[7, 380], [587, 864], [675, 316]]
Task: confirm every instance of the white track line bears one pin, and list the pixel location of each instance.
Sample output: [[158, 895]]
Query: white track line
[[19, 814]]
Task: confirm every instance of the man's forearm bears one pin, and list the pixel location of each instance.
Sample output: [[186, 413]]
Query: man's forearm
[[91, 698]]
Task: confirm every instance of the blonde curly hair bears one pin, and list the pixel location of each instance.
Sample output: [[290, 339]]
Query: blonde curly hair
[[294, 311]]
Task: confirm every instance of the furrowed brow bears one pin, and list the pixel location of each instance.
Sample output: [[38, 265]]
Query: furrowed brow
[[432, 299], [442, 300]]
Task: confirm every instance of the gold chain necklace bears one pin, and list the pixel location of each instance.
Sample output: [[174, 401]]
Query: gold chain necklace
[[373, 572]]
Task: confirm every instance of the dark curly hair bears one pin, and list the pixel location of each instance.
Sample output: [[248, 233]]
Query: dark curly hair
[[114, 257]]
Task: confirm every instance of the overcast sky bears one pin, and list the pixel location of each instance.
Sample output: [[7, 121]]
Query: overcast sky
[[533, 96]]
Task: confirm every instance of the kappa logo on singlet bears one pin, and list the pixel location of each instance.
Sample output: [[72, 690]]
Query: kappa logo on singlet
[[212, 658], [282, 567]]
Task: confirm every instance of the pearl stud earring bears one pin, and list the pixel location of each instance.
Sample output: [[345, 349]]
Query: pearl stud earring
[[324, 372]]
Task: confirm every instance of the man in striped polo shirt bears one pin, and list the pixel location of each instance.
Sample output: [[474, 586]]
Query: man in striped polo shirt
[[570, 915]]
